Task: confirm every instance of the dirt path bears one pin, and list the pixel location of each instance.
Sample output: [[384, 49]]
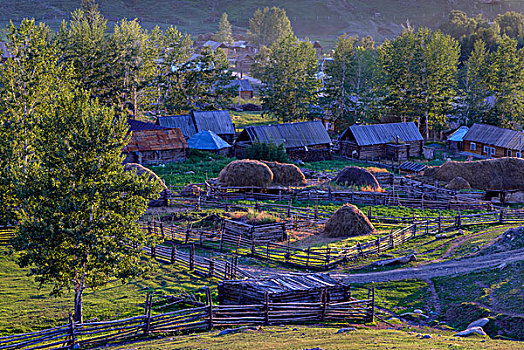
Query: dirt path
[[446, 268]]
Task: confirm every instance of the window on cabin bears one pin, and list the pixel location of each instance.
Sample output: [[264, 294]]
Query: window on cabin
[[472, 146], [509, 153]]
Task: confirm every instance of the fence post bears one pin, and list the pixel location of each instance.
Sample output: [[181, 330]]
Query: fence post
[[162, 230], [307, 260], [427, 226], [209, 302], [459, 221], [267, 250], [221, 239], [414, 229], [289, 208], [378, 245], [328, 250], [211, 267], [501, 216], [372, 303], [72, 343], [173, 253], [238, 243], [147, 315], [439, 221], [391, 241], [323, 298], [266, 302], [369, 213], [192, 257], [252, 241]]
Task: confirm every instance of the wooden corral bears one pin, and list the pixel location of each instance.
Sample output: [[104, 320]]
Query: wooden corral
[[284, 289], [307, 141], [398, 141], [492, 141], [257, 233]]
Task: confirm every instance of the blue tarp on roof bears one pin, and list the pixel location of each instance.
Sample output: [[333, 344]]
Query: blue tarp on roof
[[207, 141], [458, 135]]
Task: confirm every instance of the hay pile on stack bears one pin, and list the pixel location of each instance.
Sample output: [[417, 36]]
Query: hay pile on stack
[[140, 170], [246, 172], [355, 176], [458, 183], [501, 174], [348, 221], [286, 174]]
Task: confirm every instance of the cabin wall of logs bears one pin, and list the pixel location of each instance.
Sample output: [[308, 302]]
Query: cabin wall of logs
[[274, 232], [399, 152]]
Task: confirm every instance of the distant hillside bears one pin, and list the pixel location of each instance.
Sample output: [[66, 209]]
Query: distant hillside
[[321, 20]]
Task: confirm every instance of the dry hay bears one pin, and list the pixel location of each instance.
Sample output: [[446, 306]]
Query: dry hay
[[355, 176], [191, 190], [246, 172], [458, 183], [348, 221], [140, 170], [499, 174], [286, 174]]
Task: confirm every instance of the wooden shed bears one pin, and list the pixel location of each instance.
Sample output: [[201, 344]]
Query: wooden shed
[[283, 289], [244, 88], [492, 141], [307, 141], [218, 122], [398, 141], [455, 140], [156, 146]]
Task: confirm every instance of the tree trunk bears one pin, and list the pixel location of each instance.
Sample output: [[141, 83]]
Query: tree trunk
[[427, 126], [79, 290]]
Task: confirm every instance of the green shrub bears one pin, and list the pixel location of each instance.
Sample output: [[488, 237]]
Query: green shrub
[[267, 151]]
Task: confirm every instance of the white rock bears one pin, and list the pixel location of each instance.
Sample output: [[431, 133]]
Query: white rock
[[478, 323], [471, 331]]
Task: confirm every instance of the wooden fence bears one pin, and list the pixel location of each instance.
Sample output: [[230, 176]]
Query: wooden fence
[[206, 317]]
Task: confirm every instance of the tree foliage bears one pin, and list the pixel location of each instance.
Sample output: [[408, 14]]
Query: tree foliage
[[224, 30], [266, 151], [267, 26], [291, 80]]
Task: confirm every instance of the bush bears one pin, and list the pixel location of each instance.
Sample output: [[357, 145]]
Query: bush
[[266, 151]]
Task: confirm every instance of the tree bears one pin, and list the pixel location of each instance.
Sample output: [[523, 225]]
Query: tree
[[78, 210], [291, 81], [30, 79], [199, 84], [512, 24], [224, 30], [268, 26], [505, 77]]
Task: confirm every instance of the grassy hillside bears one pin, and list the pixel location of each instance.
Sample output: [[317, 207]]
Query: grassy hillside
[[318, 19]]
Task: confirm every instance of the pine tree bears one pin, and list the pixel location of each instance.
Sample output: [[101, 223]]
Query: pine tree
[[224, 30], [267, 26]]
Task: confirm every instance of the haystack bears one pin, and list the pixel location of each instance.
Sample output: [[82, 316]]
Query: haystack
[[501, 174], [140, 170], [355, 176], [286, 174], [458, 183], [246, 172], [347, 221], [191, 190]]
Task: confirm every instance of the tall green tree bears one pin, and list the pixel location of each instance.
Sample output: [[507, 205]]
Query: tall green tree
[[291, 80], [78, 210], [267, 26], [224, 30], [505, 82], [202, 83]]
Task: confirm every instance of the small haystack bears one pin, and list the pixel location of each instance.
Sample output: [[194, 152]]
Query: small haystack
[[501, 174], [355, 176], [246, 172], [348, 221], [458, 183], [286, 174], [191, 190], [140, 170]]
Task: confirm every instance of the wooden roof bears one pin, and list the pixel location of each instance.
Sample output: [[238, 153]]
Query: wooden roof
[[495, 136], [281, 284], [137, 125], [183, 122], [376, 134], [292, 135], [156, 140], [217, 121]]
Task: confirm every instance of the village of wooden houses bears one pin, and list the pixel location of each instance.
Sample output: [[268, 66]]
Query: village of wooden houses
[[253, 188]]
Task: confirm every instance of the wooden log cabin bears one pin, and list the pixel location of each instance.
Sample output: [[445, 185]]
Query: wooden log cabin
[[492, 141], [283, 289], [397, 141], [150, 144], [307, 141]]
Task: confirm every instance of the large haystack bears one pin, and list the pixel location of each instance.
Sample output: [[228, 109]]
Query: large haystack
[[501, 174], [246, 172], [348, 221], [355, 176], [458, 183], [140, 170], [286, 174]]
